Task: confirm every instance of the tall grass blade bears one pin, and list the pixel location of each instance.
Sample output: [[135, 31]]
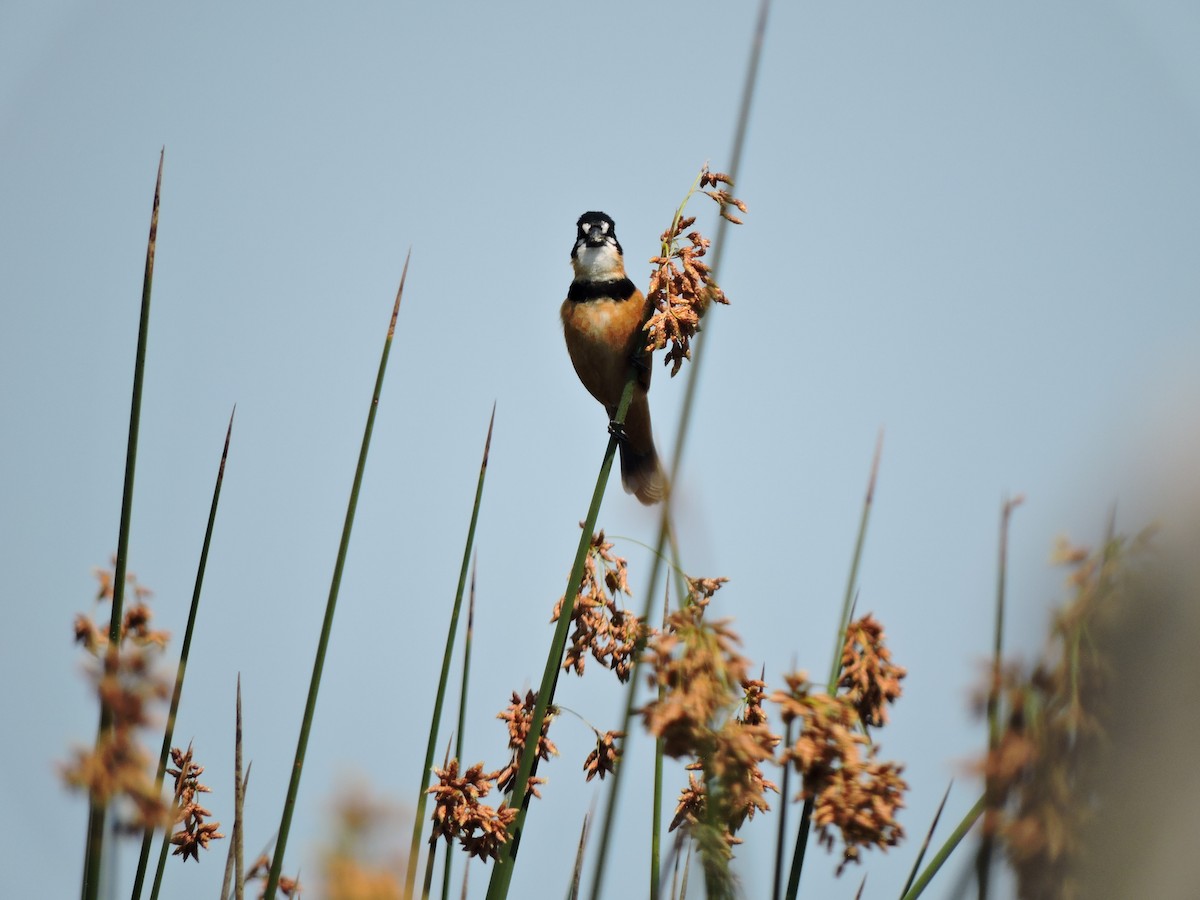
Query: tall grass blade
[[310, 706], [687, 867], [577, 873], [239, 806], [946, 849], [785, 791], [503, 868], [462, 700], [983, 858], [90, 884], [444, 678], [835, 667], [430, 857], [912, 876], [169, 731], [656, 805], [235, 861], [689, 402]]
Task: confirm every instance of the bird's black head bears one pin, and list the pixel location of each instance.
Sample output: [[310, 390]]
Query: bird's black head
[[595, 230]]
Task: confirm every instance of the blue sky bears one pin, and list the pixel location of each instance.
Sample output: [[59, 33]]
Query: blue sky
[[973, 228]]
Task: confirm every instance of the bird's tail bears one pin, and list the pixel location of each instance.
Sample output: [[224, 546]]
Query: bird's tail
[[642, 475]]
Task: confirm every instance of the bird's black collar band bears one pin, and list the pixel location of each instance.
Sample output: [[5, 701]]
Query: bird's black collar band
[[616, 289]]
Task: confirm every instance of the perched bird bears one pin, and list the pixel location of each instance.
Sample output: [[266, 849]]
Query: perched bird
[[602, 320]]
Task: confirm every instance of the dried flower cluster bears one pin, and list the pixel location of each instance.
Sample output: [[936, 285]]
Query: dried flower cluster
[[195, 833], [681, 285], [609, 633], [459, 815], [128, 687], [870, 679], [604, 758], [261, 870], [519, 716], [1040, 799], [695, 665], [852, 791], [701, 681]]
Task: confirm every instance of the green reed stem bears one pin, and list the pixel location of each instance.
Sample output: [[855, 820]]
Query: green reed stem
[[656, 807], [946, 849], [169, 731], [310, 705], [983, 857], [444, 679], [689, 403], [503, 868], [577, 873], [912, 876], [430, 858], [785, 792], [90, 885], [462, 696], [235, 871], [835, 668]]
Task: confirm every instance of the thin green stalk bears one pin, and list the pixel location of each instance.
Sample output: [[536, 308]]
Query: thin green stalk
[[656, 808], [835, 667], [310, 705], [689, 402], [444, 679], [793, 885], [687, 868], [983, 858], [785, 791], [735, 166], [427, 882], [169, 731], [235, 862], [161, 867], [239, 876], [503, 868], [239, 806], [462, 701], [577, 874], [176, 802], [912, 876], [993, 706], [90, 886], [946, 849]]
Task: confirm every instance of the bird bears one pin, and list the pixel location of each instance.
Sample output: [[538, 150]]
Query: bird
[[602, 321]]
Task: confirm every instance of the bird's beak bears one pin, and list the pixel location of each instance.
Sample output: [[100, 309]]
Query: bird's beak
[[594, 236]]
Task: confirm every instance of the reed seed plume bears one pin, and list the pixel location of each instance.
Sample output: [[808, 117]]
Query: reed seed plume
[[458, 814], [855, 795], [1040, 774], [610, 633], [604, 758], [870, 679], [519, 716], [195, 834], [709, 710], [131, 690], [682, 285]]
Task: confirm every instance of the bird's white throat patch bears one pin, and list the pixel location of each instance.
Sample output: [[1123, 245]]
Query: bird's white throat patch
[[598, 263]]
